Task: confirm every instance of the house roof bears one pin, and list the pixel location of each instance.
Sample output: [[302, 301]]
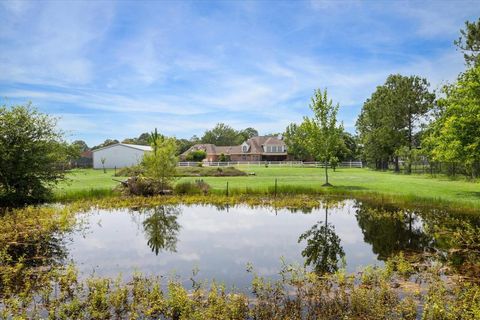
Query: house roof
[[86, 154], [133, 146], [255, 143]]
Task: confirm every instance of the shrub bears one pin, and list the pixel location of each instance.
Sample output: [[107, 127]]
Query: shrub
[[32, 154], [188, 187], [140, 186], [197, 155], [133, 171]]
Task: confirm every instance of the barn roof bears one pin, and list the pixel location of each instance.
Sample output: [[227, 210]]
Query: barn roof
[[133, 146]]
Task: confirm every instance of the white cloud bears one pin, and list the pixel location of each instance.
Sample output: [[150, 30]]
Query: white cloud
[[52, 45]]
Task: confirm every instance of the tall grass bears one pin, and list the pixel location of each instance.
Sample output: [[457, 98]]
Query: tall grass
[[282, 193], [84, 194]]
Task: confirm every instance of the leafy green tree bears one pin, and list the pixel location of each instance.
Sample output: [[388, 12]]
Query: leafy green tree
[[349, 150], [160, 164], [221, 135], [197, 155], [469, 42], [390, 119], [295, 138], [141, 140], [106, 143], [81, 145], [224, 135], [322, 130], [245, 134], [455, 135], [183, 145], [32, 152]]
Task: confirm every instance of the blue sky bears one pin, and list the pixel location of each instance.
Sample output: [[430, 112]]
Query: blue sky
[[117, 69]]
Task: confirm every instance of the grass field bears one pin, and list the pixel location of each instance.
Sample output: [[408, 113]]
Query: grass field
[[346, 181]]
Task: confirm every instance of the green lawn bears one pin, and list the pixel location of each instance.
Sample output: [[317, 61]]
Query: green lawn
[[347, 180]]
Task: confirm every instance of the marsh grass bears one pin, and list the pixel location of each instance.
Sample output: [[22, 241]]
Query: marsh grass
[[82, 194], [298, 294], [284, 196]]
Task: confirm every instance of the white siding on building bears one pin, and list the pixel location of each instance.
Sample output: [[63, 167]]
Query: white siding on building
[[119, 156]]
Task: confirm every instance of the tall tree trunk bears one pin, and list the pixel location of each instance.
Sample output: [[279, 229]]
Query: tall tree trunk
[[397, 166], [326, 173], [410, 140]]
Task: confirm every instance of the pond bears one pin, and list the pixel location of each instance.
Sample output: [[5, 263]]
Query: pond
[[219, 243]]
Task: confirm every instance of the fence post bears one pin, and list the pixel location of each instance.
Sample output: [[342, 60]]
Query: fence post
[[227, 188], [275, 187]]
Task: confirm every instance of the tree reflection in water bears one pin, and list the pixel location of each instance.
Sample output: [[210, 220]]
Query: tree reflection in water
[[392, 231], [323, 250], [161, 228]]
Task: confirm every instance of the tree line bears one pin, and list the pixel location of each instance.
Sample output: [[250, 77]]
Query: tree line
[[220, 135]]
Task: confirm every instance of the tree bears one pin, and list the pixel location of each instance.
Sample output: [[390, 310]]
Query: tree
[[349, 150], [81, 145], [197, 155], [224, 135], [221, 135], [183, 145], [106, 143], [141, 140], [32, 150], [295, 138], [160, 164], [390, 118], [322, 130], [469, 42], [245, 134], [455, 134], [103, 160]]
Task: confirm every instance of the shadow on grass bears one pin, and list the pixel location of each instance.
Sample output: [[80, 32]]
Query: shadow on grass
[[351, 188], [471, 194]]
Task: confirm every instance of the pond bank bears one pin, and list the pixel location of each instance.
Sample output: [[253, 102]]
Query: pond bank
[[279, 199]]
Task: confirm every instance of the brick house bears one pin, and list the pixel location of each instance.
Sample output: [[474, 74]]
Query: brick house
[[264, 148]]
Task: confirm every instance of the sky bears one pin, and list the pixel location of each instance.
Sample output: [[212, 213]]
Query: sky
[[118, 69]]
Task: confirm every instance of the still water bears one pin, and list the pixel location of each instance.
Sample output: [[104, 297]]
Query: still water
[[219, 243]]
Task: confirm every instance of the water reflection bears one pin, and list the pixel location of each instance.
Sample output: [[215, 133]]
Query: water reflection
[[221, 241], [392, 231], [161, 228], [323, 250]]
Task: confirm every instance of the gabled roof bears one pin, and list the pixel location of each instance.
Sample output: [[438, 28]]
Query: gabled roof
[[133, 146], [255, 143], [274, 141]]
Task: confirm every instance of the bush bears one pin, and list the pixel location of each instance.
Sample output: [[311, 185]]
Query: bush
[[197, 155], [189, 187], [133, 171], [209, 172], [140, 186], [32, 153]]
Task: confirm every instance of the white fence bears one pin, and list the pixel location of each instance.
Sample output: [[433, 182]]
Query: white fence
[[347, 164]]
